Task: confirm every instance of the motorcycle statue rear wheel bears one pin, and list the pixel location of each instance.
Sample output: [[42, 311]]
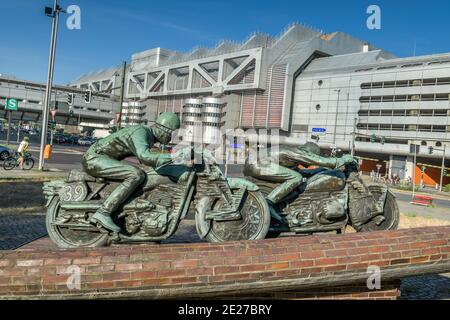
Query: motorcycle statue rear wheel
[[391, 212], [69, 238], [253, 225]]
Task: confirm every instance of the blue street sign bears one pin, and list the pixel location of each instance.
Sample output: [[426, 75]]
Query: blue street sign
[[319, 130]]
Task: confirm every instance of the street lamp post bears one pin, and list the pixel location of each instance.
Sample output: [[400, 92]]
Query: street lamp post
[[414, 171], [442, 169], [51, 65], [122, 92], [354, 136], [336, 117]]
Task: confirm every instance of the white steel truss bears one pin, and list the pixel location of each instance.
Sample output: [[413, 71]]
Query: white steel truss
[[216, 74]]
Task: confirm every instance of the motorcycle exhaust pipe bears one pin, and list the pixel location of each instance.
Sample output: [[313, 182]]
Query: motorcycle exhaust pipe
[[81, 206]]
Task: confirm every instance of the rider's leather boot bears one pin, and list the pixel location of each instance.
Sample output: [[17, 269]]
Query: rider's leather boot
[[274, 213], [105, 221]]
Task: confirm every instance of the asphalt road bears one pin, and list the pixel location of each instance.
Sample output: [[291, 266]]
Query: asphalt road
[[407, 198]]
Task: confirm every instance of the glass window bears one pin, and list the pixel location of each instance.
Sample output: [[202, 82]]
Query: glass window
[[362, 126], [377, 85], [425, 128], [400, 84], [428, 97], [386, 113], [398, 127], [426, 113], [440, 113], [442, 81], [429, 82], [411, 65], [400, 98], [438, 128], [442, 96], [387, 67], [399, 113], [364, 99], [363, 113], [389, 84], [376, 99]]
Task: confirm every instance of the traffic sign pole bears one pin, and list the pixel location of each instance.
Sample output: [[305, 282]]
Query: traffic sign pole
[[9, 127], [52, 129]]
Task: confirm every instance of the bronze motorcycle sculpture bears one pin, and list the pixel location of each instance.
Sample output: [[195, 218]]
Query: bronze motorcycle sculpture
[[226, 209], [330, 200]]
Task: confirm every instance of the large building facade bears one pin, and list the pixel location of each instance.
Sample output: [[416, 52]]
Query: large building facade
[[331, 88]]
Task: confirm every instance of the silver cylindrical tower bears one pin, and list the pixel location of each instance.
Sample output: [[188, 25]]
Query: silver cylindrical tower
[[192, 120], [213, 114]]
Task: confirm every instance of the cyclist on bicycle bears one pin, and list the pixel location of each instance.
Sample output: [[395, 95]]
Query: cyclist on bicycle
[[22, 150]]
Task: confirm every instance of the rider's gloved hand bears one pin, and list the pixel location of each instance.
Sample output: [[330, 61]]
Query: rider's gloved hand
[[208, 156], [346, 158], [182, 156]]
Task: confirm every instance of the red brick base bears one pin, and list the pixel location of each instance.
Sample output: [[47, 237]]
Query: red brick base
[[390, 291], [320, 266]]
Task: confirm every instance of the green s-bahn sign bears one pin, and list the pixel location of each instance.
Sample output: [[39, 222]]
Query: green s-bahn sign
[[11, 104]]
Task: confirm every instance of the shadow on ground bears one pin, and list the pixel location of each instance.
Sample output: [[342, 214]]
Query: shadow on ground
[[436, 287]]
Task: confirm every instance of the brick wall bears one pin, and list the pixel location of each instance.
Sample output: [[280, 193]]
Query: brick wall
[[320, 266]]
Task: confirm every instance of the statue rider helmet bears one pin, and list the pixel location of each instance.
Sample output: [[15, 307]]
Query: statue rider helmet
[[166, 124], [311, 147]]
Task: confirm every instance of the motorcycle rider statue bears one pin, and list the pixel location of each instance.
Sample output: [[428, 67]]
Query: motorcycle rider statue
[[103, 160], [279, 167]]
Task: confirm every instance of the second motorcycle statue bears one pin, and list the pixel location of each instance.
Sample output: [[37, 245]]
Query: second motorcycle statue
[[226, 209]]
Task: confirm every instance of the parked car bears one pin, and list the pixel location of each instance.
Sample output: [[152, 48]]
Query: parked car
[[72, 140], [86, 141], [5, 153], [59, 139]]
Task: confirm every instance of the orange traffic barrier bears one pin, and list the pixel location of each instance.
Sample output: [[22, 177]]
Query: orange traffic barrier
[[47, 151], [422, 200]]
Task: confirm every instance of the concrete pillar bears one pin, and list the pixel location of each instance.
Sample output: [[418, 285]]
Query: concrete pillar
[[409, 168]]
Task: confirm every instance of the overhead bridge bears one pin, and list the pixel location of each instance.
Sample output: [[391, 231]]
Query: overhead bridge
[[30, 96]]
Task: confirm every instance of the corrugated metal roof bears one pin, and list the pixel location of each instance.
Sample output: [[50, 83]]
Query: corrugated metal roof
[[371, 59], [97, 75], [347, 60]]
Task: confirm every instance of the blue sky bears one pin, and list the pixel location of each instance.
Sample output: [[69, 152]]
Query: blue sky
[[111, 30]]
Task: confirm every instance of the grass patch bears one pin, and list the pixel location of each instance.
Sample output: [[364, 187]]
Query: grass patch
[[402, 187], [410, 214]]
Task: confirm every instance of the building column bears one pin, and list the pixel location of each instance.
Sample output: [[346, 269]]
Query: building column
[[409, 168]]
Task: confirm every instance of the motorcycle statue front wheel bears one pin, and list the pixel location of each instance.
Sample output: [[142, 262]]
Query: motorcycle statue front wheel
[[66, 237], [253, 225], [391, 212]]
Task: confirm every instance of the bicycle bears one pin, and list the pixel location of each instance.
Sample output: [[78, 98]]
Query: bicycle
[[13, 162]]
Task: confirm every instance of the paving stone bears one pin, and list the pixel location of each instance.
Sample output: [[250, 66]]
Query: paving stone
[[17, 230]]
